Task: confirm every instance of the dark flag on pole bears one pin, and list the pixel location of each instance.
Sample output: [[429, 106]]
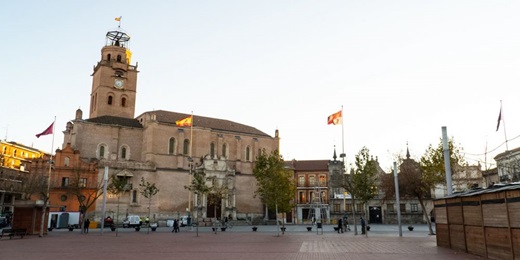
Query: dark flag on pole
[[47, 131], [499, 118]]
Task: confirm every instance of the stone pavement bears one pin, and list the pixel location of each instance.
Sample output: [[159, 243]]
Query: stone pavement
[[239, 242]]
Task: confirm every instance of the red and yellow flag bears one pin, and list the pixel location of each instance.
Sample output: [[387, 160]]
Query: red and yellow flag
[[335, 119], [185, 121]]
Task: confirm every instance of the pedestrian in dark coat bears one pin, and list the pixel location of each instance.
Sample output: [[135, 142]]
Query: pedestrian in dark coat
[[340, 225], [86, 226]]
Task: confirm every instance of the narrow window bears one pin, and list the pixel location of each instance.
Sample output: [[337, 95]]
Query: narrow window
[[224, 152], [66, 161], [109, 56], [119, 58], [110, 100], [102, 151], [186, 148], [123, 102], [134, 196], [248, 155], [171, 145], [212, 150], [123, 153]]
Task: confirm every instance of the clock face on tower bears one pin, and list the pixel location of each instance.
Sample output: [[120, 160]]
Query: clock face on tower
[[118, 83]]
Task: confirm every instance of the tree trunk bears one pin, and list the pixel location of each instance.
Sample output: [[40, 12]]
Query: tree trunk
[[354, 214], [44, 209], [426, 215]]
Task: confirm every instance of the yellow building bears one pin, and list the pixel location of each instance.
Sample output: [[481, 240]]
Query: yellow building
[[17, 156]]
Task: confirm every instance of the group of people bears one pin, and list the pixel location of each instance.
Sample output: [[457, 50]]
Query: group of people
[[343, 225]]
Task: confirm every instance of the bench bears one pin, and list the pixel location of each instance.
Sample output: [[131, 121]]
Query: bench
[[11, 232]]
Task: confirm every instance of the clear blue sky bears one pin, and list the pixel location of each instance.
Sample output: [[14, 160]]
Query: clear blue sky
[[401, 69]]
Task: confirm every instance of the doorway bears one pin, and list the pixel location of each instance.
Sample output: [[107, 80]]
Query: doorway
[[375, 215], [214, 206]]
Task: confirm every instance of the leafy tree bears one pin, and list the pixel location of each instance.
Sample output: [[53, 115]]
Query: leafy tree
[[276, 186], [432, 162], [363, 178], [148, 190], [200, 187]]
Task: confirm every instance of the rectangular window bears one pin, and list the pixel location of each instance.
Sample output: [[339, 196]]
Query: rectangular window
[[301, 180], [64, 181], [302, 197], [312, 180], [359, 207], [402, 207], [349, 207], [323, 183], [83, 182], [337, 207], [390, 207], [134, 196], [414, 207]]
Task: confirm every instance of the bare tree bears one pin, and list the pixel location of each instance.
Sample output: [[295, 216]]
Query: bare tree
[[148, 190], [86, 190]]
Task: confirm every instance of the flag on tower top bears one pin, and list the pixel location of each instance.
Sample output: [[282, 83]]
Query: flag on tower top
[[118, 19], [335, 119], [499, 118], [47, 131]]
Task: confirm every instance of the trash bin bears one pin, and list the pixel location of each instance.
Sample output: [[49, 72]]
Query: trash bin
[[319, 225], [189, 221]]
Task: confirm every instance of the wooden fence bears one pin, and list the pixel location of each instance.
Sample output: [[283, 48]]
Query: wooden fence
[[483, 222]]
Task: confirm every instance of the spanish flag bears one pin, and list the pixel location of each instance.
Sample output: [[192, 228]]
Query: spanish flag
[[335, 119], [118, 19], [184, 122]]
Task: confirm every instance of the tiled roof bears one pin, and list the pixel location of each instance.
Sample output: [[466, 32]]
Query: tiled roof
[[308, 165], [207, 122], [114, 120]]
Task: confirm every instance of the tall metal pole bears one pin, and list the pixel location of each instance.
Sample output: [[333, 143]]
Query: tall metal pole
[[103, 207], [447, 166], [397, 200]]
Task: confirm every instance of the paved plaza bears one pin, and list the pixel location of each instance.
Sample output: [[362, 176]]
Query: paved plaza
[[239, 242]]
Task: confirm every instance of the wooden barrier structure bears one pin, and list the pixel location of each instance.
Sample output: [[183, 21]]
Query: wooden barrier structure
[[483, 222]]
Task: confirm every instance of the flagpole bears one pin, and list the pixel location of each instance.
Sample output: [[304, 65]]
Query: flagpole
[[504, 123], [342, 136], [46, 205], [191, 164]]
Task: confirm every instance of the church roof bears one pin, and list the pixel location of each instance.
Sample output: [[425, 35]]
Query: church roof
[[114, 120], [208, 122], [308, 165]]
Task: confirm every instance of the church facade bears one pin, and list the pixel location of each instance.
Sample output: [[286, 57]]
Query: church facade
[[153, 147]]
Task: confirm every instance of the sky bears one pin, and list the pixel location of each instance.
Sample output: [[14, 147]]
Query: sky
[[400, 70]]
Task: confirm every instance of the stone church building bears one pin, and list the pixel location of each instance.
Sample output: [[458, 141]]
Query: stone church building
[[153, 147]]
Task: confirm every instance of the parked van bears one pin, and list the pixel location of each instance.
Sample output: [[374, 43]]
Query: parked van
[[132, 221]]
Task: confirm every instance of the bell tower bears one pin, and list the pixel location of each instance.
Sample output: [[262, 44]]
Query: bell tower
[[114, 80]]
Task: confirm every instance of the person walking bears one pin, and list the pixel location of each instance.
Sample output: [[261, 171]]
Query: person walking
[[86, 226], [340, 225]]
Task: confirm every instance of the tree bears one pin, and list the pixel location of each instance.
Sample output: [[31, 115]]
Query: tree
[[148, 190], [84, 191], [117, 186], [200, 188], [364, 178], [275, 183], [432, 162], [411, 184]]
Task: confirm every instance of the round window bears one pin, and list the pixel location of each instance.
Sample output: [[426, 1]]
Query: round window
[[63, 197]]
